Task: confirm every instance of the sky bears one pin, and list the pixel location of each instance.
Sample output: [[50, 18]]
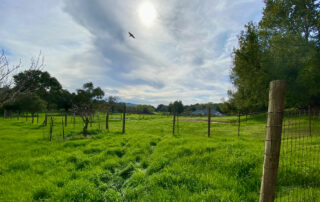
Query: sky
[[182, 48]]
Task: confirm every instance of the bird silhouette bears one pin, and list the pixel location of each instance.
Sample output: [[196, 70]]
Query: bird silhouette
[[131, 35]]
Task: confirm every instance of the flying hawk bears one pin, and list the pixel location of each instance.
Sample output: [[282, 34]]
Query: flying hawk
[[131, 35]]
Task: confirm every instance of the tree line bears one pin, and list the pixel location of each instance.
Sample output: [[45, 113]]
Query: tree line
[[39, 91], [284, 45]]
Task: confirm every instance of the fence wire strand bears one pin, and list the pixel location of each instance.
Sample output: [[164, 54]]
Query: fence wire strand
[[299, 173]]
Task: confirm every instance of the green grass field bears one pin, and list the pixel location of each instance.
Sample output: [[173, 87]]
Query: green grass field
[[147, 163]]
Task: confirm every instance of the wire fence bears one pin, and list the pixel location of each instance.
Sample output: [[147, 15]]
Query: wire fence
[[298, 173], [299, 165]]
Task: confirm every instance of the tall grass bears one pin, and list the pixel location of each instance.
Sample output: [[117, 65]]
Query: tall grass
[[147, 163]]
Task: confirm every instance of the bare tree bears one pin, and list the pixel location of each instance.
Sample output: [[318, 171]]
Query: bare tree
[[8, 92], [85, 112]]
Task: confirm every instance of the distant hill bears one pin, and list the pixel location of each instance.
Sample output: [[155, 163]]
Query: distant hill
[[131, 105]]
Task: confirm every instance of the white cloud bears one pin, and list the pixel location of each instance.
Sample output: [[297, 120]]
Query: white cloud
[[185, 55]]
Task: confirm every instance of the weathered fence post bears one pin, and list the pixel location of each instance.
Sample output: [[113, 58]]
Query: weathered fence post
[[177, 117], [209, 121], [51, 126], [309, 114], [37, 118], [62, 129], [124, 119], [174, 122], [107, 121], [65, 120], [32, 115], [99, 125], [273, 141], [74, 121], [45, 120], [239, 121]]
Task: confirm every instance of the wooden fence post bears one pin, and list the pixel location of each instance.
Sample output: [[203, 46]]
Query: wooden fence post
[[174, 122], [239, 121], [99, 125], [273, 141], [178, 128], [51, 126], [45, 120], [32, 115], [37, 118], [74, 121], [209, 121], [124, 119], [62, 129], [309, 114], [107, 121], [65, 120]]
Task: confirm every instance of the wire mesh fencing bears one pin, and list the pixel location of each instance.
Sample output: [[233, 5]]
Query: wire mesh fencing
[[299, 164]]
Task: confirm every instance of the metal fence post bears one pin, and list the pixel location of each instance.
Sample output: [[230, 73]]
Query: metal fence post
[[273, 141]]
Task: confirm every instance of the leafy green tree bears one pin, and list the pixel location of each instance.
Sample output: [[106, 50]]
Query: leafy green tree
[[112, 102], [162, 108], [30, 103], [285, 45], [176, 107], [85, 102], [46, 87], [145, 109]]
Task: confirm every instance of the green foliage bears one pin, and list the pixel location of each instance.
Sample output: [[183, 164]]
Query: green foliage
[[43, 85], [176, 107], [87, 95], [285, 45], [145, 109], [30, 102], [162, 108]]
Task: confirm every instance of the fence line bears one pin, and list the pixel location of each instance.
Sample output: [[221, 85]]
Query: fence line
[[298, 176], [299, 173]]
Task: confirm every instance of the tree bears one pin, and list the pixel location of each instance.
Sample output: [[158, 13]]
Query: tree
[[85, 102], [176, 107], [162, 108], [8, 93], [112, 102], [31, 103], [28, 102], [285, 45], [46, 87], [145, 109]]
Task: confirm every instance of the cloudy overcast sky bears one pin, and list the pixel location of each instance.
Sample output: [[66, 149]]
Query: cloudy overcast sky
[[182, 48]]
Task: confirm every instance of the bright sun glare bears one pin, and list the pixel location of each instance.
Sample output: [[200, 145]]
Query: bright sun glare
[[147, 13]]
